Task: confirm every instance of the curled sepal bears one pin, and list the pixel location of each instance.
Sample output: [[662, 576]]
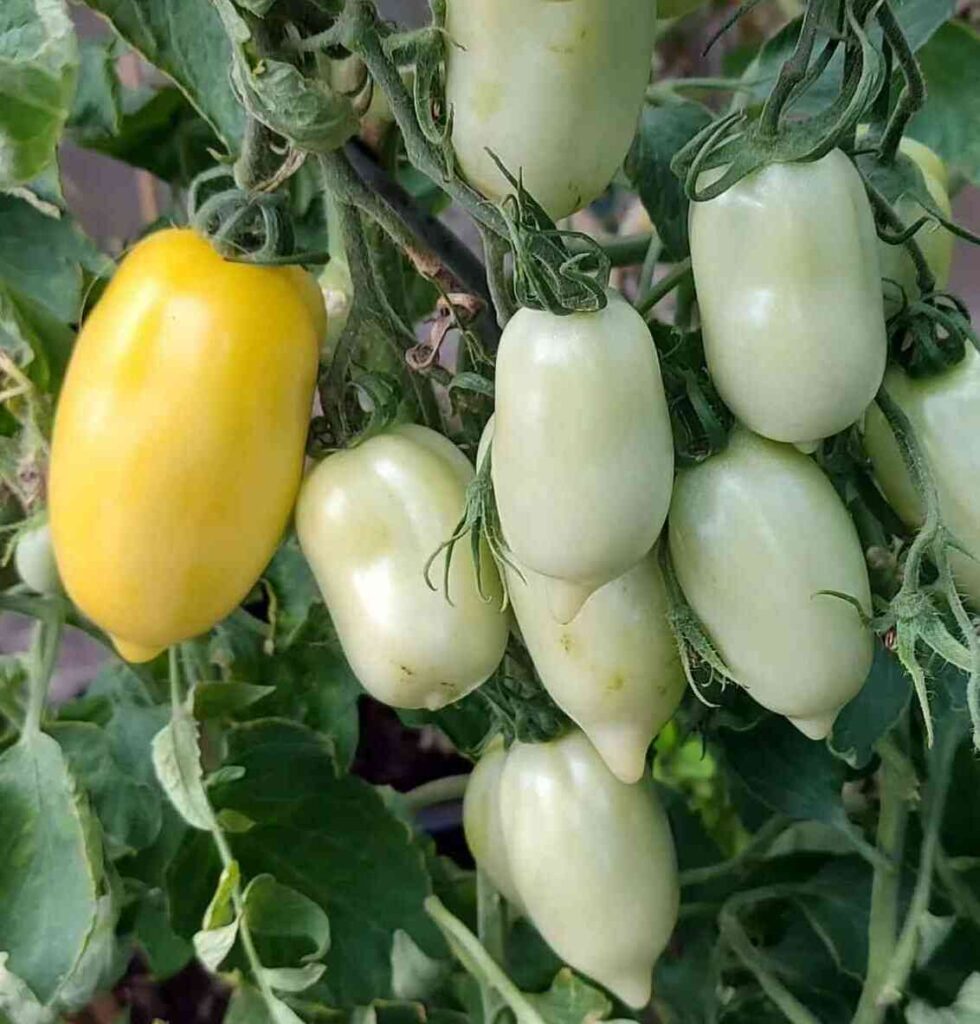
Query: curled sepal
[[547, 275], [931, 334], [912, 620], [703, 665], [481, 522], [700, 420], [306, 112], [522, 708], [378, 397], [735, 145]]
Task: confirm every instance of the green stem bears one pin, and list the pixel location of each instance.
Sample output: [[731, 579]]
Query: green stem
[[903, 958], [479, 963], [913, 95], [491, 928], [960, 893], [792, 72], [227, 859], [438, 791], [883, 924], [495, 251], [758, 964], [664, 286], [622, 252], [756, 848], [43, 657], [649, 267], [360, 35]]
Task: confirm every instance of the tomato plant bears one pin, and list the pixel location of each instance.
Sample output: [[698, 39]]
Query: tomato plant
[[489, 515]]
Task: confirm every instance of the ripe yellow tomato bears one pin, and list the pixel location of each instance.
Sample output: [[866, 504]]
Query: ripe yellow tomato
[[179, 438]]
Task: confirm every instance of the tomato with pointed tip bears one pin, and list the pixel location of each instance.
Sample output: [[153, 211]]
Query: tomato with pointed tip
[[582, 458], [614, 669], [944, 411], [369, 519], [179, 438], [592, 860], [761, 544], [552, 88]]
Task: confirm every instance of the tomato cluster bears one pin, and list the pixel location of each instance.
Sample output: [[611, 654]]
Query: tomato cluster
[[179, 446]]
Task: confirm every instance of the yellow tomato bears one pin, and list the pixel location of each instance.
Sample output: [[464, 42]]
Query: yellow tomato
[[179, 438]]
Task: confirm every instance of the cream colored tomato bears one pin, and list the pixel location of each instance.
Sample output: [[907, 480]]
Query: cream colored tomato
[[593, 861], [582, 452], [789, 286], [482, 823], [179, 438], [552, 87], [756, 533], [944, 411], [614, 668], [368, 520], [897, 267]]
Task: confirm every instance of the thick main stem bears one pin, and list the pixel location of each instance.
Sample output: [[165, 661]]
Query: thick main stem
[[883, 924]]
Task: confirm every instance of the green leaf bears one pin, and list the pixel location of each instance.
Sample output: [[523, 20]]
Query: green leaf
[[38, 67], [97, 106], [38, 342], [128, 807], [292, 926], [221, 700], [414, 974], [219, 926], [873, 712], [186, 41], [662, 132], [293, 592], [177, 760], [248, 1007], [158, 131], [919, 19], [948, 121], [571, 1001], [50, 866], [966, 1009], [470, 381], [46, 258], [18, 1004], [787, 772], [333, 840]]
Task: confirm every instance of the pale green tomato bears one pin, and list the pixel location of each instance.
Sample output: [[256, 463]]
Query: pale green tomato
[[593, 860], [482, 822], [614, 668], [789, 287], [368, 520], [945, 415], [936, 243], [554, 89], [757, 532], [582, 452], [34, 560]]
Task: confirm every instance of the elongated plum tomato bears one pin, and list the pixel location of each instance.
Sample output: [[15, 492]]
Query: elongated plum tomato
[[179, 438], [582, 453], [552, 87], [935, 241], [757, 533], [787, 274], [483, 824], [368, 520], [945, 414], [592, 860], [614, 668]]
